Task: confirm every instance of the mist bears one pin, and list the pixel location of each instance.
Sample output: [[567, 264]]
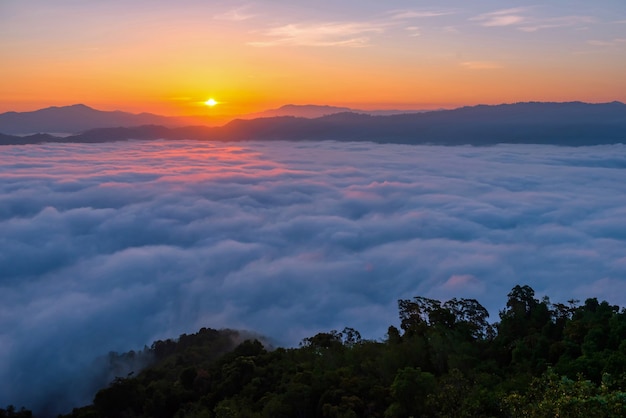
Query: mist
[[108, 247]]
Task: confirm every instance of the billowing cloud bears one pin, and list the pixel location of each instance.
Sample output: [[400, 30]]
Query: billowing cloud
[[111, 246]]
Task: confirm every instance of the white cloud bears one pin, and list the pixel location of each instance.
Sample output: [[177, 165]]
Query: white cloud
[[520, 19], [505, 17], [238, 14], [413, 30], [347, 34], [110, 246], [503, 20], [340, 33], [418, 14]]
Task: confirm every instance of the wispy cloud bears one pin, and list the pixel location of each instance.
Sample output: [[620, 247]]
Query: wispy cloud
[[413, 30], [481, 65], [342, 33], [346, 34], [236, 15], [519, 18], [556, 22], [417, 14], [504, 17], [612, 42]]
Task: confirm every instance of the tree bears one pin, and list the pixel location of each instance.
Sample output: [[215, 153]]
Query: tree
[[470, 317], [554, 396], [410, 390], [11, 412]]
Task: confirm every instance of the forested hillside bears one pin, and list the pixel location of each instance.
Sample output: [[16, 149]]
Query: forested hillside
[[541, 359]]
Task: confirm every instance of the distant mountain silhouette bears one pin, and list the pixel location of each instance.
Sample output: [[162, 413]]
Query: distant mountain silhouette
[[74, 119], [573, 123], [317, 111], [30, 139], [302, 111], [79, 118]]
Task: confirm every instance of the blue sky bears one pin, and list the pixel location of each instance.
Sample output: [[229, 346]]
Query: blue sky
[[170, 57]]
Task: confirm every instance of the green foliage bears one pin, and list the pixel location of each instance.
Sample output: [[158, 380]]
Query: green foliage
[[554, 396], [409, 391], [446, 360]]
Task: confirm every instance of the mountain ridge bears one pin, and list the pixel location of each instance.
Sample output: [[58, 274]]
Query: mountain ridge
[[78, 118], [311, 111], [559, 123], [74, 119]]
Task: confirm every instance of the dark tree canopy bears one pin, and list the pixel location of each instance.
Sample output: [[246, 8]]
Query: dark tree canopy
[[541, 359]]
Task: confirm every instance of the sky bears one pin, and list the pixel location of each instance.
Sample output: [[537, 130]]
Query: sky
[[112, 246], [170, 57]]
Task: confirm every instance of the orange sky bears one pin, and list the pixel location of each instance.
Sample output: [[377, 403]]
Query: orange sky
[[168, 58]]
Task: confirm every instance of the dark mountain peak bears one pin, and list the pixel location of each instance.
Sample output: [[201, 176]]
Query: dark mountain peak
[[305, 111], [75, 118], [313, 107], [80, 106], [70, 108], [569, 123], [348, 116], [536, 104]]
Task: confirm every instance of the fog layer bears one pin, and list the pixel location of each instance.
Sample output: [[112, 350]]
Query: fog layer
[[111, 246]]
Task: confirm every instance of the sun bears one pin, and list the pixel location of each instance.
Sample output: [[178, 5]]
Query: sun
[[211, 102]]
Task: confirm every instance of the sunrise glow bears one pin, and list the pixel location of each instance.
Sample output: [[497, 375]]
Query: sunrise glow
[[228, 184], [395, 55]]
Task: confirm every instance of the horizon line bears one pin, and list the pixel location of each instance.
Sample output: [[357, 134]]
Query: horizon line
[[303, 105]]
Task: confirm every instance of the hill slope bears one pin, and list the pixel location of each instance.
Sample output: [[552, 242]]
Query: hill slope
[[74, 119], [541, 359], [573, 123]]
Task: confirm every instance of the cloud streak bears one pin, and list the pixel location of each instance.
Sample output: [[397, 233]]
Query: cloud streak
[[505, 17], [481, 65], [557, 22], [346, 34], [239, 14], [612, 42], [418, 14], [110, 246], [341, 33], [521, 20]]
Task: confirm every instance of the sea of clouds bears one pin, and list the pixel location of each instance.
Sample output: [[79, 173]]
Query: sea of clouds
[[110, 246]]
